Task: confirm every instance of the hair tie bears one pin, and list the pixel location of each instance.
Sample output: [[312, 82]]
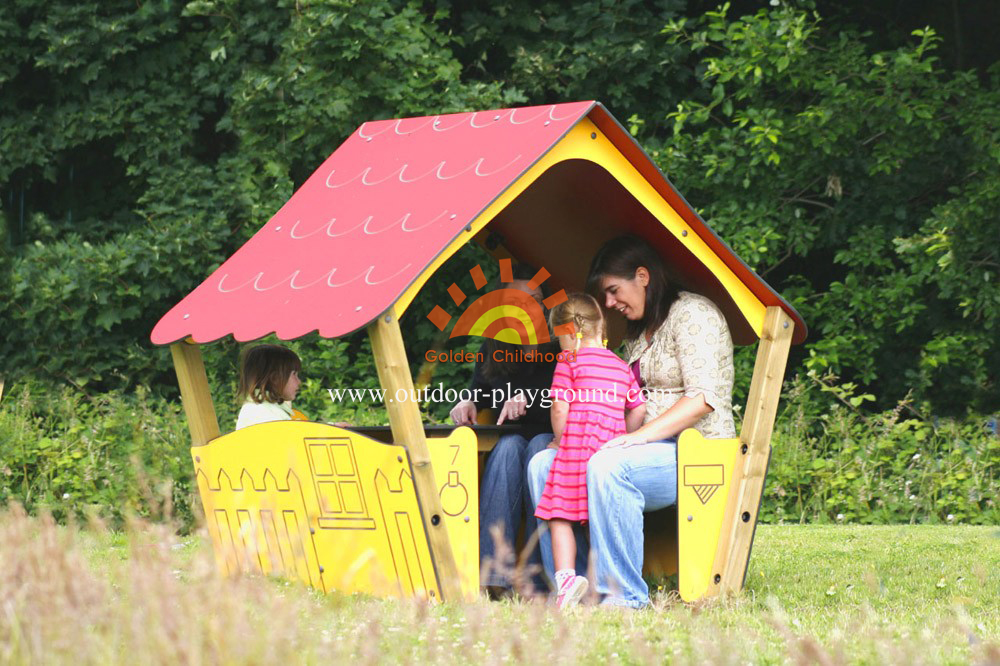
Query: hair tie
[[605, 343], [579, 335]]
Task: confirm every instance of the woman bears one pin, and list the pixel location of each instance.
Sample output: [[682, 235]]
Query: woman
[[678, 345], [504, 500]]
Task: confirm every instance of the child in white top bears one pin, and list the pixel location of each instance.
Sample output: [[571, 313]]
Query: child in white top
[[269, 380]]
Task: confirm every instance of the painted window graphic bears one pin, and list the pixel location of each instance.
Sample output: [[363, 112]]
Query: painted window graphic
[[505, 314], [335, 474]]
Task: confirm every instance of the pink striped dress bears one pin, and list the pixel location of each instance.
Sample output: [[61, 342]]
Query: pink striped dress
[[598, 387]]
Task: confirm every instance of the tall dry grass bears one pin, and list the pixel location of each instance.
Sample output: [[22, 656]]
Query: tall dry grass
[[146, 606], [84, 596]]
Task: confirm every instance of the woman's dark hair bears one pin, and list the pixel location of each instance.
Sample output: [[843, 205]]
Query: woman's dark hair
[[264, 371], [620, 257], [490, 367]]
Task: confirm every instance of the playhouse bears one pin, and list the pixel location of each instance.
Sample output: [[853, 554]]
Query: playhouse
[[547, 185]]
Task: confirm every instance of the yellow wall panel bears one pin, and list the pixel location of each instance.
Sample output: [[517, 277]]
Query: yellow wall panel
[[704, 474], [334, 509]]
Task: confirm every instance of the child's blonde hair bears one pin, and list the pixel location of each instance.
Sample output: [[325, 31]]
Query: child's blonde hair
[[264, 371], [583, 312]]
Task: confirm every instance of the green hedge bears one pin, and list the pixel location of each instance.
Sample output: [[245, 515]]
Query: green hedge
[[110, 455], [119, 453], [835, 462]]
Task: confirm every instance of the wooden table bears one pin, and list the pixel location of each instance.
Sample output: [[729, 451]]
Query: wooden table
[[486, 435]]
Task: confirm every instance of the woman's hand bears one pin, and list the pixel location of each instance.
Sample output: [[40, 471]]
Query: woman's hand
[[513, 409], [684, 413], [625, 441], [464, 413]]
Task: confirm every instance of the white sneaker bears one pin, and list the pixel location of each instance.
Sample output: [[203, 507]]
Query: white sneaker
[[572, 592]]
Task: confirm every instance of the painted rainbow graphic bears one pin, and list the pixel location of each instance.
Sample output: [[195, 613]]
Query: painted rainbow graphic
[[505, 314]]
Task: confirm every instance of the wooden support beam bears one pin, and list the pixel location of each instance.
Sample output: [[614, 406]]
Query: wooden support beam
[[739, 523], [408, 430], [195, 395]]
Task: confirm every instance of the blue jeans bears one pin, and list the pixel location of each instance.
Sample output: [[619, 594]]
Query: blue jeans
[[622, 483], [503, 500]]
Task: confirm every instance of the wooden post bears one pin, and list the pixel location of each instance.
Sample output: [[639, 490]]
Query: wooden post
[[739, 523], [408, 430], [197, 399]]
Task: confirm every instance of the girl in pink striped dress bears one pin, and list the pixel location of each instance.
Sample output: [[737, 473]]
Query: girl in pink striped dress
[[595, 398]]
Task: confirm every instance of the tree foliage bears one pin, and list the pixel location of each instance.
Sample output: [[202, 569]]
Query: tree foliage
[[142, 143], [865, 182]]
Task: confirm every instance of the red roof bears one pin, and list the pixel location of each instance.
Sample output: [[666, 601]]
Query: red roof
[[367, 223], [386, 203]]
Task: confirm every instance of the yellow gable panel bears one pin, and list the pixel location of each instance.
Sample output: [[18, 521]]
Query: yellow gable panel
[[561, 247]]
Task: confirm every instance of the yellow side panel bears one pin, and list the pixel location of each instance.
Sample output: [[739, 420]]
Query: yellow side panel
[[704, 474], [336, 510], [586, 141]]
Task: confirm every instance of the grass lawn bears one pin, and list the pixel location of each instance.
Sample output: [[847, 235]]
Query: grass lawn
[[814, 594]]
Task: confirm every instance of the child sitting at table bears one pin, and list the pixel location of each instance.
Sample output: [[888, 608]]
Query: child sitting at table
[[269, 381]]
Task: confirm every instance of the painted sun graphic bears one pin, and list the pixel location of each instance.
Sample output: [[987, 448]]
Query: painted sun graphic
[[505, 314]]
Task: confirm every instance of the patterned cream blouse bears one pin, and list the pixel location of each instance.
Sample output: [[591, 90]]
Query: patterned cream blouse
[[691, 354]]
